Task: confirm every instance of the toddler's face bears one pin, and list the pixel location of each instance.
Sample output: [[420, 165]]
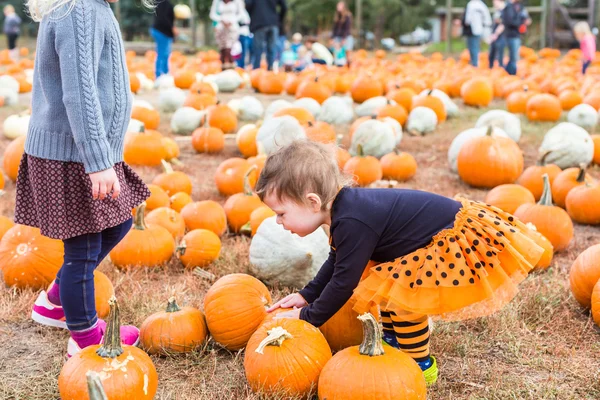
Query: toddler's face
[[297, 218]]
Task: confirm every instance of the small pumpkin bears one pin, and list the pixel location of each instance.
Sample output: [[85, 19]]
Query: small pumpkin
[[543, 107], [343, 329], [173, 181], [169, 219], [569, 99], [285, 357], [180, 200], [149, 117], [246, 140], [301, 114], [239, 206], [231, 175], [222, 117], [128, 372], [532, 179], [235, 307], [516, 102], [271, 82], [541, 240], [200, 101], [596, 303], [551, 221], [342, 156], [596, 140], [395, 111], [199, 248], [175, 330], [256, 218], [349, 373], [583, 204], [567, 180], [207, 139], [12, 157], [477, 92], [432, 102], [314, 89], [509, 197], [584, 275], [103, 291], [364, 169], [399, 166], [143, 246], [365, 87], [320, 132], [206, 214], [158, 198], [402, 96], [171, 149], [5, 225], [144, 148]]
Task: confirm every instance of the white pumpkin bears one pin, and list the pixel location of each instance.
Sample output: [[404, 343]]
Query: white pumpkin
[[421, 120], [135, 126], [463, 138], [169, 100], [11, 98], [279, 256], [372, 106], [8, 82], [583, 115], [276, 106], [508, 122], [182, 11], [29, 75], [377, 138], [337, 110], [146, 83], [277, 132], [16, 125], [396, 128], [165, 81], [185, 120], [227, 81], [142, 103], [449, 105], [248, 108], [309, 104], [567, 145]]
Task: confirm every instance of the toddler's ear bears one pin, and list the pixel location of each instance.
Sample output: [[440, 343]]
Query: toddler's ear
[[315, 202]]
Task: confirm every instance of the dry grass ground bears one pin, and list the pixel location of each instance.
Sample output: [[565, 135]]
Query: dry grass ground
[[541, 346]]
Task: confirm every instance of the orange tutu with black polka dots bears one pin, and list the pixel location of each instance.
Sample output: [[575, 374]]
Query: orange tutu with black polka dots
[[467, 271]]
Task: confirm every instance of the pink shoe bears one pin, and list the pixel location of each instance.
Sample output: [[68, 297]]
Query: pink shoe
[[130, 336], [45, 313]]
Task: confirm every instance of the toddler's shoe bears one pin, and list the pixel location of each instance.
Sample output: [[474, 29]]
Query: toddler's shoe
[[45, 313], [430, 370], [130, 335], [389, 338]]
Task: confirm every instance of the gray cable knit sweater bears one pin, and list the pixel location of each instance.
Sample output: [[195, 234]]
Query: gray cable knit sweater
[[81, 99]]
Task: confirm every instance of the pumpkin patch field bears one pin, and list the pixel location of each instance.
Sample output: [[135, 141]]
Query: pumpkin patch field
[[205, 255]]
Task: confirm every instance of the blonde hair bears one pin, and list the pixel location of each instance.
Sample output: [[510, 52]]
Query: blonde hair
[[300, 168], [582, 28], [38, 9], [9, 8]]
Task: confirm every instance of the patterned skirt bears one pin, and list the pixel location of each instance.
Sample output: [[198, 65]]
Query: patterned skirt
[[226, 36], [56, 196], [467, 271]]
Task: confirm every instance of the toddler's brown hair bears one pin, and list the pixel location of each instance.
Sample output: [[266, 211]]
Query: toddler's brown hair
[[301, 167]]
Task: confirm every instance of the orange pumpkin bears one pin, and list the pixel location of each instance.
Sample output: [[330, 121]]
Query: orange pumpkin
[[222, 117], [5, 225], [569, 99], [199, 248], [516, 102], [271, 82], [596, 139], [509, 197], [566, 181], [395, 111], [313, 89], [171, 148], [543, 107], [184, 79], [169, 219], [158, 198], [200, 101], [240, 206], [477, 92], [175, 330], [343, 329], [342, 156], [173, 181], [403, 96], [398, 166], [432, 102], [150, 118], [365, 87], [12, 157], [596, 304], [546, 259], [28, 259], [143, 246], [180, 200], [200, 87], [532, 179], [134, 83], [235, 307], [301, 114], [258, 162], [583, 204], [593, 99], [584, 275], [230, 176], [320, 132], [206, 214], [551, 221], [364, 169], [246, 140], [144, 148], [208, 140], [256, 218], [291, 84]]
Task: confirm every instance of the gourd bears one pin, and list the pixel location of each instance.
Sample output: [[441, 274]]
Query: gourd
[[543, 107], [366, 87], [279, 256], [584, 275], [239, 206], [314, 89], [171, 99], [10, 96], [375, 137], [321, 132], [432, 102], [337, 111], [180, 200], [9, 82], [567, 145], [301, 114], [158, 198], [421, 120], [148, 116], [222, 117], [186, 120], [459, 141], [278, 132], [583, 115], [343, 329], [5, 222], [207, 139], [507, 122], [13, 153], [477, 92], [245, 139]]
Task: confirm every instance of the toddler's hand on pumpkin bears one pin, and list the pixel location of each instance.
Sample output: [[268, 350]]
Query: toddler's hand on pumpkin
[[289, 301], [292, 314], [103, 182]]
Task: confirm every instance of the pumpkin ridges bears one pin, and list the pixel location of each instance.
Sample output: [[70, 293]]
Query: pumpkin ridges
[[584, 274]]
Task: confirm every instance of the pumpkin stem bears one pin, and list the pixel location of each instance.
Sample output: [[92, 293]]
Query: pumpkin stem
[[172, 305], [372, 336], [246, 229], [581, 174], [359, 150], [276, 337], [139, 223], [546, 199], [111, 348], [310, 124], [95, 388], [430, 92], [373, 116], [542, 160], [247, 187], [490, 130], [167, 166], [180, 250]]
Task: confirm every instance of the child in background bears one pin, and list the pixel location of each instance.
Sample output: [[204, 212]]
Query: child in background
[[304, 59], [319, 53], [288, 57], [339, 54], [587, 41], [296, 42], [437, 256], [73, 184], [12, 30]]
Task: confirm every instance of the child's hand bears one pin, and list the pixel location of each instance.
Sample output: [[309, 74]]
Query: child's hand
[[292, 314], [103, 182], [289, 301]]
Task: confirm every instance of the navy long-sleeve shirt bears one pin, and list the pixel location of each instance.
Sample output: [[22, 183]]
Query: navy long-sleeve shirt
[[372, 224]]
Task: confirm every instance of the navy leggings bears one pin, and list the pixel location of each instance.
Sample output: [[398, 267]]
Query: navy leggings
[[76, 277]]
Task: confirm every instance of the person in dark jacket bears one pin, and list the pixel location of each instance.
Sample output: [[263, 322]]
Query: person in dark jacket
[[496, 52], [515, 20], [12, 29], [163, 32], [342, 24], [265, 19]]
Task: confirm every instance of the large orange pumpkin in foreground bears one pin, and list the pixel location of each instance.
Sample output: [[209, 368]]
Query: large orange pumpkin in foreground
[[285, 357], [584, 274], [235, 307], [350, 373], [128, 373]]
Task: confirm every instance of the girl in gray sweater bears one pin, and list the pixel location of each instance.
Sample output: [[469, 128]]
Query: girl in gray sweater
[[73, 184]]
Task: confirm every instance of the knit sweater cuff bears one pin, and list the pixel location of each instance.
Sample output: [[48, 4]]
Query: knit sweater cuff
[[95, 154]]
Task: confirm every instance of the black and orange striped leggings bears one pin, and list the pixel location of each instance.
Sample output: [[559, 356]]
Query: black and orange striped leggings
[[411, 331]]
